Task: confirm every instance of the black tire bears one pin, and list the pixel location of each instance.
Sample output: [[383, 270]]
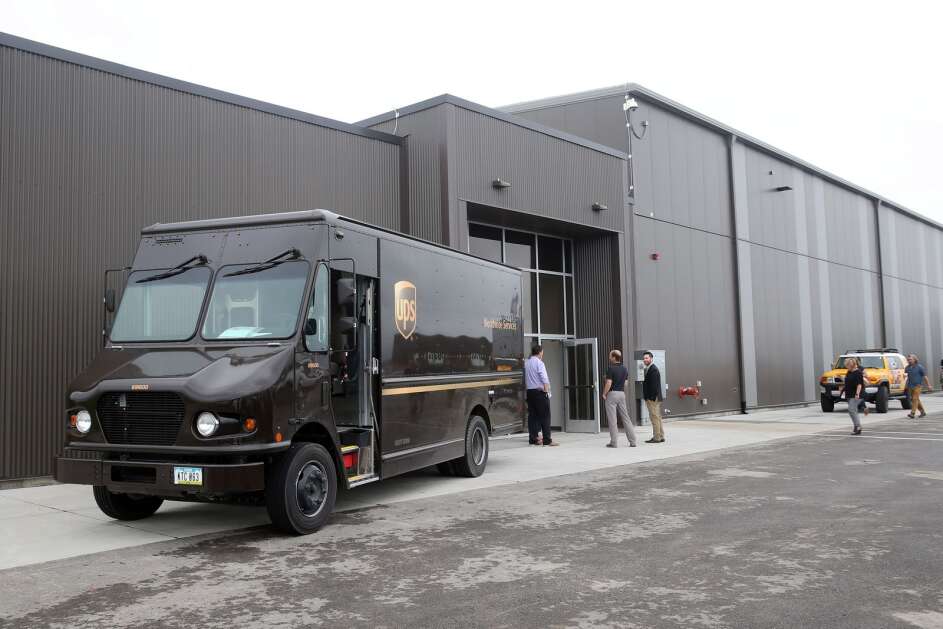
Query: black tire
[[125, 506], [828, 402], [880, 400], [476, 449], [905, 402], [301, 488]]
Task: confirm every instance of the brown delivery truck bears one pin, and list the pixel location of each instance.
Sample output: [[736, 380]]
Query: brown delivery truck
[[278, 357]]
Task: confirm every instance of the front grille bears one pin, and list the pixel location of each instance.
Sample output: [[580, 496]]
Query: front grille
[[141, 418]]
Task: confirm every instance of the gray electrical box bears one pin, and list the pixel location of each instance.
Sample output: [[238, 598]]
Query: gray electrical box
[[658, 357]]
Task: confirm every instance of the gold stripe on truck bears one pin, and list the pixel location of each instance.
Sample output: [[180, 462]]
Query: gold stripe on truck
[[428, 388]]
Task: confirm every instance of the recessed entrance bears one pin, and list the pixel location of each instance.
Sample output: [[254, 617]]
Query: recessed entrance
[[548, 311]]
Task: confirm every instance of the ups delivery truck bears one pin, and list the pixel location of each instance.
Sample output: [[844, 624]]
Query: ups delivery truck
[[282, 356]]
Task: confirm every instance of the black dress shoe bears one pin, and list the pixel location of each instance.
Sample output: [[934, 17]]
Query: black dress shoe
[[652, 440], [611, 445]]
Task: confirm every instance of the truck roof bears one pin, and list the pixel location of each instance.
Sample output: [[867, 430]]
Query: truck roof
[[301, 216]]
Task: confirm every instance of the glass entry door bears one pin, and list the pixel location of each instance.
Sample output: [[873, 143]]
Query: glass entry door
[[581, 386]]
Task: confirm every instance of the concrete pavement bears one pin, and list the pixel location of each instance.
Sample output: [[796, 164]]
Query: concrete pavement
[[822, 530], [60, 521]]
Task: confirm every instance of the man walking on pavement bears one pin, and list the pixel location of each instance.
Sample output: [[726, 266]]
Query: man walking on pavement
[[614, 396], [651, 393], [916, 376], [538, 397]]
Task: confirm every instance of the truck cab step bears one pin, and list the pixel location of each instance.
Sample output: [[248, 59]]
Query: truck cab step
[[363, 479]]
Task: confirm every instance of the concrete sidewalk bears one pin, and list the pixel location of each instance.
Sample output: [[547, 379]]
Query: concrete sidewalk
[[59, 521]]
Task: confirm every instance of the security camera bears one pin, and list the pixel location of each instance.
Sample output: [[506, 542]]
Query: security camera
[[629, 104]]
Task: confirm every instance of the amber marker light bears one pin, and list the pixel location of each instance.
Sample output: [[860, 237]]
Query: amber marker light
[[278, 437], [249, 424], [73, 419]]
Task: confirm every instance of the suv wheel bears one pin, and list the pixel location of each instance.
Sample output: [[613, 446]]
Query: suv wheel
[[880, 401], [828, 402], [905, 401]]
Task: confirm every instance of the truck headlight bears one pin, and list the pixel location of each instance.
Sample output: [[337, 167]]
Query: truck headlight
[[83, 422], [207, 424]]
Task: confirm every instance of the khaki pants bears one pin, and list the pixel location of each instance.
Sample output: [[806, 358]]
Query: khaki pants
[[654, 413], [915, 403], [616, 409]]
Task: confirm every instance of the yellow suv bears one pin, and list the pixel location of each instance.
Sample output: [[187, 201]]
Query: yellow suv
[[884, 378]]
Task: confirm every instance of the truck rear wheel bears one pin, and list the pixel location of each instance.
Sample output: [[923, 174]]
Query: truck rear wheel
[[125, 506], [476, 449], [880, 400], [300, 489], [828, 402]]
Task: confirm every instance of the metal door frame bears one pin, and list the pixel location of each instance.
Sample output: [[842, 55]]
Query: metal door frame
[[587, 425]]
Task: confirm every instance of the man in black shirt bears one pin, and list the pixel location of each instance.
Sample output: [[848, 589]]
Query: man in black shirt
[[651, 392], [614, 396]]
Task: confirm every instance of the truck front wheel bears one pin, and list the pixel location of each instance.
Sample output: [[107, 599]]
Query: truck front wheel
[[300, 489], [125, 506], [828, 402]]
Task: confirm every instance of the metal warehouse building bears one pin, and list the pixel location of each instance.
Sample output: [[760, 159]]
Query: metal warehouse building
[[728, 254]]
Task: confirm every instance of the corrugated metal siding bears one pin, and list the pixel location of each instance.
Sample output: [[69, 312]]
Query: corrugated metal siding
[[686, 304], [598, 297], [427, 150], [816, 251], [87, 158], [549, 176], [680, 167], [912, 256]]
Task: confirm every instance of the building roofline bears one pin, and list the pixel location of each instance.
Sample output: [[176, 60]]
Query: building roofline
[[492, 113], [643, 92], [68, 56]]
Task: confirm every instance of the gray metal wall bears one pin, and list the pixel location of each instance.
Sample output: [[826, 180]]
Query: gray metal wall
[[457, 149], [686, 301], [426, 136], [87, 158], [912, 258], [798, 272]]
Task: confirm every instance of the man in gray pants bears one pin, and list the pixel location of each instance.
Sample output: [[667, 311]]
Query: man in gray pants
[[614, 396]]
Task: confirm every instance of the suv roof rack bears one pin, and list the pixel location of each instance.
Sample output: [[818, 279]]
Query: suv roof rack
[[877, 350]]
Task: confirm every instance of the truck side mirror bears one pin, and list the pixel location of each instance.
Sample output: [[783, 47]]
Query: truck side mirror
[[109, 299]]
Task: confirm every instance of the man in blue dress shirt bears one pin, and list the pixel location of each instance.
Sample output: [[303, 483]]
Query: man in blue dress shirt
[[538, 397]]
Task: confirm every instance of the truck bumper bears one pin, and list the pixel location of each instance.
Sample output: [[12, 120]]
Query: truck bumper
[[157, 478]]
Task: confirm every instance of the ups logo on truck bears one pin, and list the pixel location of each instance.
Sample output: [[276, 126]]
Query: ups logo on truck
[[404, 297]]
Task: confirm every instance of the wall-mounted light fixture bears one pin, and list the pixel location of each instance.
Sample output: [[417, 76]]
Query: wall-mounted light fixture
[[599, 207], [500, 184], [782, 188]]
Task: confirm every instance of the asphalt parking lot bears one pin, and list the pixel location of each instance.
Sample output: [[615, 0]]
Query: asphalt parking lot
[[820, 530]]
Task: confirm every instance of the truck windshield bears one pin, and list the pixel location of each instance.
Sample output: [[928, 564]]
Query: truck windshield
[[263, 303], [164, 309]]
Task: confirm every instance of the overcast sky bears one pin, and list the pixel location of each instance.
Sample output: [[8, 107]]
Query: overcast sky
[[852, 87]]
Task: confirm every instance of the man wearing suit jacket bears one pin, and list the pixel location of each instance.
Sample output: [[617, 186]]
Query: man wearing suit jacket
[[651, 393]]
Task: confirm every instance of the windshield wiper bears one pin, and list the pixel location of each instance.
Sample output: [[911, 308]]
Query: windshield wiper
[[288, 254], [177, 270]]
